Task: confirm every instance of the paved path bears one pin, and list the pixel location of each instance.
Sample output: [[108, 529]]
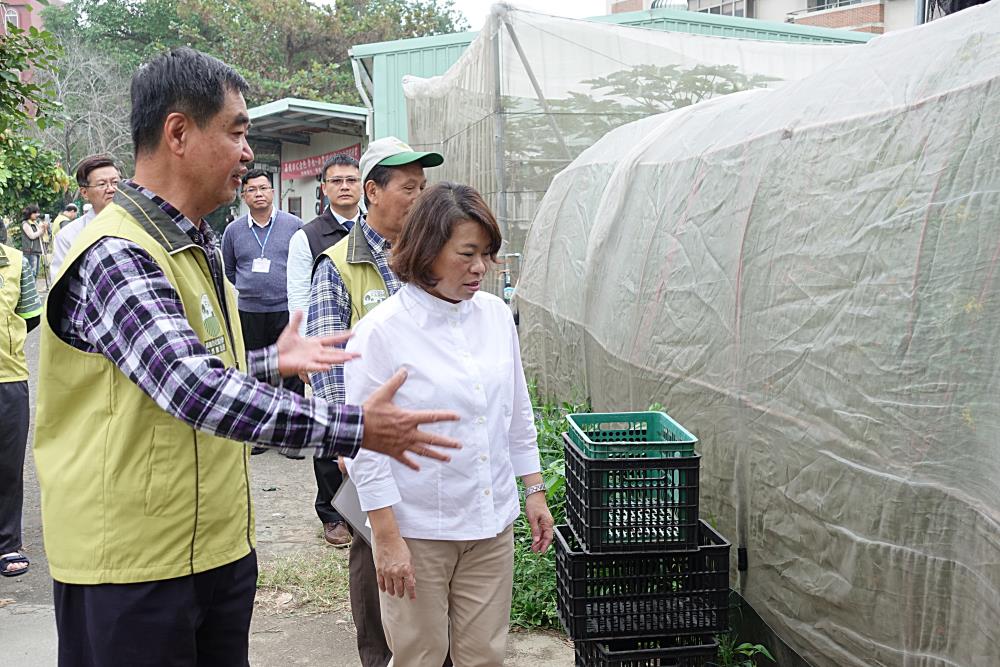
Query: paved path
[[286, 524]]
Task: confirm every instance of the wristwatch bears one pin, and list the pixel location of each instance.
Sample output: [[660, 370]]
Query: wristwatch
[[534, 488]]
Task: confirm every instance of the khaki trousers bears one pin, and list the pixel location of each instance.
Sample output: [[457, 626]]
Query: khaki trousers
[[466, 585]]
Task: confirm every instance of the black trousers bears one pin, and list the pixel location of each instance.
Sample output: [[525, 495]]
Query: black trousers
[[199, 620], [263, 329], [13, 440]]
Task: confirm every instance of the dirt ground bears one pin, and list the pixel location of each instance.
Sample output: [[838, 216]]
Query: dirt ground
[[283, 491]]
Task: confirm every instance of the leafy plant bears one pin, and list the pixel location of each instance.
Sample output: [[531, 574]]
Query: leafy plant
[[534, 600], [732, 654]]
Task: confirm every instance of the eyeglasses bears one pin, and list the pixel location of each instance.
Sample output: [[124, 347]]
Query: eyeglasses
[[103, 185], [263, 189], [350, 180]]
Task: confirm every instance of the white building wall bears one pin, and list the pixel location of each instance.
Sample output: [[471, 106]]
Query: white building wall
[[305, 189], [899, 14], [776, 10]]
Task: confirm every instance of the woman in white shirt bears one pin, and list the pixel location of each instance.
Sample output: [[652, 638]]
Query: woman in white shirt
[[443, 537]]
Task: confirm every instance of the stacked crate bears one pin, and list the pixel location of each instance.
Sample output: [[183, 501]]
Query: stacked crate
[[642, 582]]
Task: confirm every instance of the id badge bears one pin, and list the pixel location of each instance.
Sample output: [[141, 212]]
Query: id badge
[[261, 265]]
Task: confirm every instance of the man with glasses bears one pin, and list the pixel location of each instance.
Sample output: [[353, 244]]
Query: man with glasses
[[342, 186], [255, 254], [98, 177]]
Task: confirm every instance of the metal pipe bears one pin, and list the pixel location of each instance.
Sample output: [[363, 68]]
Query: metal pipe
[[360, 78]]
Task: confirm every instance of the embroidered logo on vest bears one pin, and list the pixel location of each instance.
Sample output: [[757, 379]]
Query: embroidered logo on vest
[[215, 341], [374, 297]]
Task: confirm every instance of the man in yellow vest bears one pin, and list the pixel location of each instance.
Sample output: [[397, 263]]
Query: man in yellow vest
[[68, 214], [349, 280], [147, 397], [20, 311]]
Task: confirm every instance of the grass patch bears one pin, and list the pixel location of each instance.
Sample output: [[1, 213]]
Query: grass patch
[[313, 582]]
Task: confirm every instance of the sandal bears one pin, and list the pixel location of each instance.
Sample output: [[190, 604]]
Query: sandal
[[9, 559]]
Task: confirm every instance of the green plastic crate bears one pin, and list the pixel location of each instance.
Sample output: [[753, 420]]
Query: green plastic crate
[[630, 435]]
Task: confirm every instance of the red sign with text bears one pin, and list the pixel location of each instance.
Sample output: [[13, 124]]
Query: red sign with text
[[311, 166]]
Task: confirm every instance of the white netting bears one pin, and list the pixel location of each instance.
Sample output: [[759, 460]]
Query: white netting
[[533, 91], [809, 279]]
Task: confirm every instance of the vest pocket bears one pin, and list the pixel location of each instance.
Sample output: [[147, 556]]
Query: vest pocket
[[158, 474]]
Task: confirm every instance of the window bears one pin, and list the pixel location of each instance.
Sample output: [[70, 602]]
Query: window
[[295, 206], [722, 7], [11, 16]]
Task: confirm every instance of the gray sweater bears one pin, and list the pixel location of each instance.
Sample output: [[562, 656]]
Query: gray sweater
[[259, 292]]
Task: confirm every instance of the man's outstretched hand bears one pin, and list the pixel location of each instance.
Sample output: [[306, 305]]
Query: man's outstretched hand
[[393, 431], [297, 354]]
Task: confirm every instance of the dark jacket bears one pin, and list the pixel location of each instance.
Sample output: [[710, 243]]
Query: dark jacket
[[323, 232]]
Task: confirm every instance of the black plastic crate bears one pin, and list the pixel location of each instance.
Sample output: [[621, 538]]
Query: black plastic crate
[[631, 504], [692, 651], [608, 596]]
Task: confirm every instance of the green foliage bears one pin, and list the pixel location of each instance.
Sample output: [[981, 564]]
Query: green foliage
[[292, 48], [732, 654], [29, 174], [21, 98], [129, 32], [534, 601]]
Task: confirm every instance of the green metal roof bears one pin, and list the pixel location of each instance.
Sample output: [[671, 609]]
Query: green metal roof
[[386, 63], [296, 120], [414, 44]]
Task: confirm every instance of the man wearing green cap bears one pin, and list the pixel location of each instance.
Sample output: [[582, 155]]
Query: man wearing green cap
[[349, 279]]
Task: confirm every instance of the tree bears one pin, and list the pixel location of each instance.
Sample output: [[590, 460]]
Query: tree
[[93, 107], [284, 48], [28, 172], [21, 52], [130, 32]]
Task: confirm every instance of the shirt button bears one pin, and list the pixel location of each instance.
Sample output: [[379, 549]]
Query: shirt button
[[478, 387], [483, 457], [480, 420], [486, 492], [454, 324]]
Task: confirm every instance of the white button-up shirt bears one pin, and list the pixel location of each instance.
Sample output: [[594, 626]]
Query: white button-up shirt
[[461, 357], [298, 274]]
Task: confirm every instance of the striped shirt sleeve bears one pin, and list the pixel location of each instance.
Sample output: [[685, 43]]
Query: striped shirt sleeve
[[29, 305]]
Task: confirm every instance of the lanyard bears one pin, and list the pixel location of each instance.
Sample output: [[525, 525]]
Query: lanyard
[[270, 226]]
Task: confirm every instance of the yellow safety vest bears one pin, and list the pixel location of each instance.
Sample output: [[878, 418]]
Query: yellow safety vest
[[13, 367], [354, 261], [129, 492]]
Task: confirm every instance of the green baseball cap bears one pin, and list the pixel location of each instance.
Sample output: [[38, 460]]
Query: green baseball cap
[[393, 152]]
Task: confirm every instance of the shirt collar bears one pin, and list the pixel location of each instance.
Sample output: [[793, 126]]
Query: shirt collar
[[250, 222], [375, 240], [430, 307], [341, 219], [201, 234]]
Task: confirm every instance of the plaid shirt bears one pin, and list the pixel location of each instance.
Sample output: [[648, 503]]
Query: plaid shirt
[[120, 304], [330, 308]]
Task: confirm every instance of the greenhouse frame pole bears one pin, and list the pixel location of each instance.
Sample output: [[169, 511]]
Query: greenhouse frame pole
[[498, 138], [535, 85]]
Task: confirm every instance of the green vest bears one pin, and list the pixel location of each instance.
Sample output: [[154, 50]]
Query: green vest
[[13, 328], [130, 493], [354, 261]]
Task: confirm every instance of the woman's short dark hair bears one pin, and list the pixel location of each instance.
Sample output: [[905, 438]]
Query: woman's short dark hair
[[28, 210], [429, 225]]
